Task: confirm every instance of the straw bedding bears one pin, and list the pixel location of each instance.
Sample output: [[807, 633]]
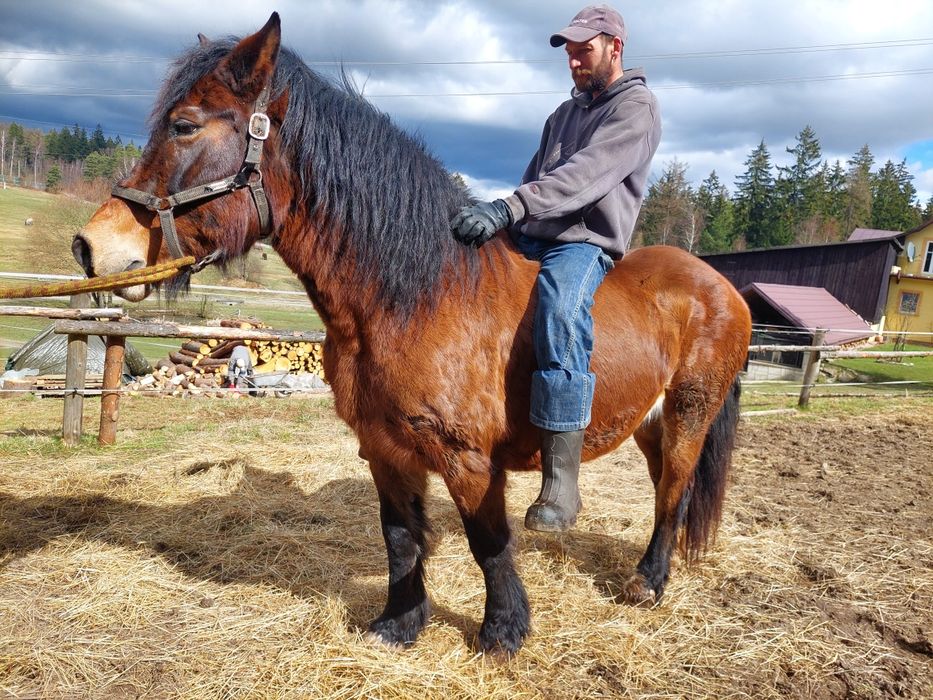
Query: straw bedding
[[228, 549]]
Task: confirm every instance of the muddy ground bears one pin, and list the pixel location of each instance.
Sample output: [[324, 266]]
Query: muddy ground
[[855, 493]]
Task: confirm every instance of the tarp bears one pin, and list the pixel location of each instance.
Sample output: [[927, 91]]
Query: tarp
[[48, 351]]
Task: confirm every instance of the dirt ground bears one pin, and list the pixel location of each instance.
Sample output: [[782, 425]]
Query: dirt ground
[[249, 566], [857, 493]]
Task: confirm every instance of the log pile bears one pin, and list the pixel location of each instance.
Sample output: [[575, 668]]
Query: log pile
[[200, 366]]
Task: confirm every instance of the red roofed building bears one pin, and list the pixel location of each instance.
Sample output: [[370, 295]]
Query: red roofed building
[[788, 314]]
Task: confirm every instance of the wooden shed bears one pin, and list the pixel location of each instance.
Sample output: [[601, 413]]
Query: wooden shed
[[856, 271]]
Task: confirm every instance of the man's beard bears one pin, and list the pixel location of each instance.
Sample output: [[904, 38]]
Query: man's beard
[[598, 80]]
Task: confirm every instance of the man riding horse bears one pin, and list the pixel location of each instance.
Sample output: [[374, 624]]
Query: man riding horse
[[574, 212]]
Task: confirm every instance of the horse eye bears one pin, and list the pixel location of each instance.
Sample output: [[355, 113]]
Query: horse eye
[[183, 127]]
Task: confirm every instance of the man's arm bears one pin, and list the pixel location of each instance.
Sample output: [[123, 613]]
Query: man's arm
[[625, 140]]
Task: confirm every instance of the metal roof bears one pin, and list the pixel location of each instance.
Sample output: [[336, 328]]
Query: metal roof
[[872, 234], [811, 308]]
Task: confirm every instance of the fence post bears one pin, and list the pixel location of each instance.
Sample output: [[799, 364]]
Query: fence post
[[811, 368], [75, 375], [110, 395]]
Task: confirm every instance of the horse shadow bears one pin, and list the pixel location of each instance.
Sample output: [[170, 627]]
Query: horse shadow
[[265, 530]]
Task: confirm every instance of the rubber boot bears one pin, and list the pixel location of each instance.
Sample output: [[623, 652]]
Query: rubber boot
[[559, 501]]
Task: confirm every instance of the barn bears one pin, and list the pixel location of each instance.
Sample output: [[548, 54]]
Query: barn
[[856, 271], [793, 290]]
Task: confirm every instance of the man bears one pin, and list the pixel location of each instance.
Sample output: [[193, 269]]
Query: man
[[575, 212]]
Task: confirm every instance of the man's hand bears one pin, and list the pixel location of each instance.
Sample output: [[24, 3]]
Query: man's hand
[[477, 224]]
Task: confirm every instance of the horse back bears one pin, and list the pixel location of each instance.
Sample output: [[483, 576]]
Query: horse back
[[661, 315]]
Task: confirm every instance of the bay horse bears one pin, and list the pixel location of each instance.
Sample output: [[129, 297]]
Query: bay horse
[[428, 343]]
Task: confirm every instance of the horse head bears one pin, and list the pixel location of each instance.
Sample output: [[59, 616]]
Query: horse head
[[215, 106]]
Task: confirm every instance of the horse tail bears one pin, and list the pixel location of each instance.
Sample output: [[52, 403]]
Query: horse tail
[[705, 499]]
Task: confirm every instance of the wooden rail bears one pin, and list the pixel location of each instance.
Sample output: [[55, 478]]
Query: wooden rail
[[79, 322]]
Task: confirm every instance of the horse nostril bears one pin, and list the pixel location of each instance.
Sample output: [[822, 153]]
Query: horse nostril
[[82, 253]]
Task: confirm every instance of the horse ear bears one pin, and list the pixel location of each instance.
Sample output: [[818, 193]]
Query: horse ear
[[203, 40], [250, 64]]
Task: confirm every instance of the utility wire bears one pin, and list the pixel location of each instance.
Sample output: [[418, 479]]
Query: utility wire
[[60, 56], [80, 92]]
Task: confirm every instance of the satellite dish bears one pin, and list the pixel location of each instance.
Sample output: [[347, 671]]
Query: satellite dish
[[911, 251]]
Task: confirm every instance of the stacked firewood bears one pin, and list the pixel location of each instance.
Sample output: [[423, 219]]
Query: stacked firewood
[[201, 365]]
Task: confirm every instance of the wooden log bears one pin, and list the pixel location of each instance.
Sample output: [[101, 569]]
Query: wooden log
[[178, 330], [233, 323], [110, 397], [188, 353], [879, 354], [75, 371], [223, 349], [812, 370], [56, 313], [197, 347], [180, 359]]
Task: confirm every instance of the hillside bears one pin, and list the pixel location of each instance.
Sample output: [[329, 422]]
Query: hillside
[[44, 247]]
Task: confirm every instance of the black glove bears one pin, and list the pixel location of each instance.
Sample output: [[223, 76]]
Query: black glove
[[477, 224]]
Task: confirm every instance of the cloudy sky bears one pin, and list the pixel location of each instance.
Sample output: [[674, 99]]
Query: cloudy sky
[[477, 78]]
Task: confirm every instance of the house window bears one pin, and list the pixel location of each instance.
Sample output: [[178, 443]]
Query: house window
[[909, 303], [928, 259]]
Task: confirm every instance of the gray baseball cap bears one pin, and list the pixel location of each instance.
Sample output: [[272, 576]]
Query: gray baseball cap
[[590, 21]]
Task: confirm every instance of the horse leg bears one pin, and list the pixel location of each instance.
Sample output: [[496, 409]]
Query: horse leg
[[672, 447], [648, 438], [480, 498], [404, 525]]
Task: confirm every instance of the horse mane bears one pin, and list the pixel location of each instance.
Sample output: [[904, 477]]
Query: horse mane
[[361, 176]]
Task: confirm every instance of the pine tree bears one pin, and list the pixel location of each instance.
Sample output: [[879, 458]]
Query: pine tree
[[754, 199], [98, 142], [799, 185], [715, 206], [857, 213], [668, 214], [53, 179], [893, 193]]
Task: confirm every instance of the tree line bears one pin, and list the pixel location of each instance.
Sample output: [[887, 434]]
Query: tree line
[[810, 200], [62, 159]]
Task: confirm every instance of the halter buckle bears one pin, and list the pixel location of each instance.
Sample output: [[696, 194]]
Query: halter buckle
[[259, 126]]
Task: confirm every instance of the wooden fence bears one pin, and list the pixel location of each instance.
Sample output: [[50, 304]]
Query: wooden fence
[[111, 324]]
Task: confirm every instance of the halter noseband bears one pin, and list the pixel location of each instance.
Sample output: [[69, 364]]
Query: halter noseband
[[249, 175]]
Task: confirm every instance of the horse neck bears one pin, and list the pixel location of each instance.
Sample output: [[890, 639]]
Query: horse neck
[[350, 304]]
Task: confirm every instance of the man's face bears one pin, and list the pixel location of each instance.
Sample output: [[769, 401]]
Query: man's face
[[591, 63]]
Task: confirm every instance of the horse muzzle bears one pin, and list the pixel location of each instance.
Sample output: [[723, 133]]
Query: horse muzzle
[[115, 261]]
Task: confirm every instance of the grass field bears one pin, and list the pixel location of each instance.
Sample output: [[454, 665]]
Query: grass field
[[45, 247]]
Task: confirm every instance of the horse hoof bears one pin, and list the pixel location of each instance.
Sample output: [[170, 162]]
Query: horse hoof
[[399, 632], [374, 639], [502, 639], [637, 592]]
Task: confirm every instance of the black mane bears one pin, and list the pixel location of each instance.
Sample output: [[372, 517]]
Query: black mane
[[360, 174]]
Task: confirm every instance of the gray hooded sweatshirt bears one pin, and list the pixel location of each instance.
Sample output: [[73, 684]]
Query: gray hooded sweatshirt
[[589, 176]]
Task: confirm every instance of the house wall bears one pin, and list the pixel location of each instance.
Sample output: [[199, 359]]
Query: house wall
[[912, 280]]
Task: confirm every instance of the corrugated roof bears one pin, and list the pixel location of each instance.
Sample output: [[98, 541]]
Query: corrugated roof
[[872, 234], [811, 308]]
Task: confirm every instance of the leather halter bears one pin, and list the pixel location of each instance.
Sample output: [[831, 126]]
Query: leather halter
[[249, 175]]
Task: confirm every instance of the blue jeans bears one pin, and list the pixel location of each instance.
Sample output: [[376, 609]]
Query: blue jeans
[[562, 387]]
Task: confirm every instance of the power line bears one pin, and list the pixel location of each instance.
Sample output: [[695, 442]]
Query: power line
[[67, 57], [521, 93]]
